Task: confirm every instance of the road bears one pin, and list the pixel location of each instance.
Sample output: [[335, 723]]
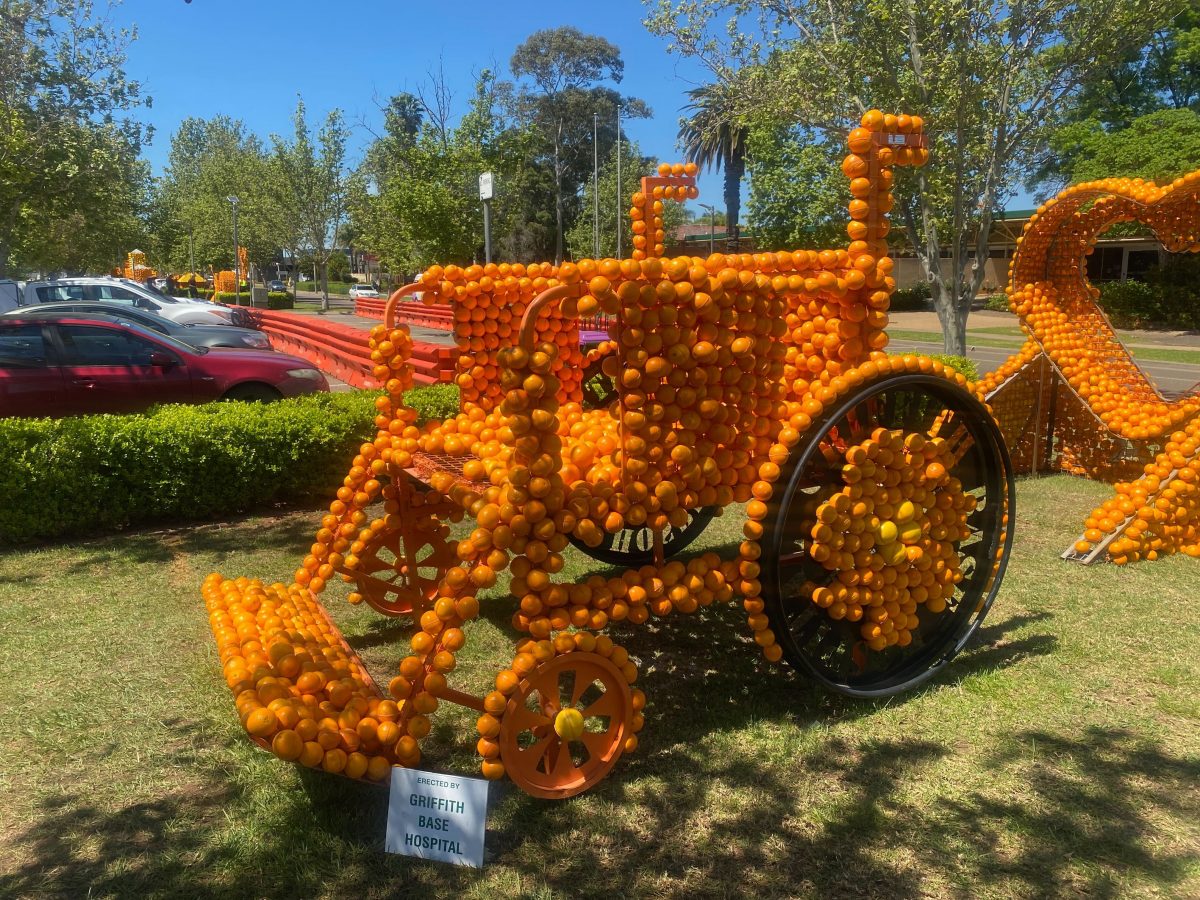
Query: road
[[1170, 377]]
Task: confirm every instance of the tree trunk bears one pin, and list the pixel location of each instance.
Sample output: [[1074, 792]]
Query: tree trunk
[[735, 167], [5, 251], [952, 315], [558, 203]]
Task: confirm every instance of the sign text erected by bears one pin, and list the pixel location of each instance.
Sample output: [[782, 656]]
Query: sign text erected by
[[435, 816]]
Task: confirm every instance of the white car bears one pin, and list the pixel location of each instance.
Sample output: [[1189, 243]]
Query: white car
[[122, 292], [366, 291]]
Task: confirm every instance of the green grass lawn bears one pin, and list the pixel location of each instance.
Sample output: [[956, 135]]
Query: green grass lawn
[[1058, 756], [1139, 351]]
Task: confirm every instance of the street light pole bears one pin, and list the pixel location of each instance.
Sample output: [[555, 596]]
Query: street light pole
[[237, 281], [595, 185], [712, 218], [619, 200], [192, 250]]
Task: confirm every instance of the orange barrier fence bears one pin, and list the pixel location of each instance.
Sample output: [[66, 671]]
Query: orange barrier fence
[[343, 351], [439, 316], [369, 307]]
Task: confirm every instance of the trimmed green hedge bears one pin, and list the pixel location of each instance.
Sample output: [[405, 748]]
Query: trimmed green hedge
[[335, 287], [911, 299], [960, 364], [87, 474], [280, 300], [434, 401]]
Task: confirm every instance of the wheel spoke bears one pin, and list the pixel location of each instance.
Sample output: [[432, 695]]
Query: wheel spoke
[[525, 719], [563, 764], [600, 744], [532, 755], [608, 704]]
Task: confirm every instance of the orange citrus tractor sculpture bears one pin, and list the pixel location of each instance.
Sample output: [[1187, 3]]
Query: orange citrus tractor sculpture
[[876, 495], [1073, 398]]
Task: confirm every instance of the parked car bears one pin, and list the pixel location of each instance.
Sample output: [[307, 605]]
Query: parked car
[[363, 290], [237, 315], [10, 295], [130, 294], [277, 287], [71, 365], [195, 335]]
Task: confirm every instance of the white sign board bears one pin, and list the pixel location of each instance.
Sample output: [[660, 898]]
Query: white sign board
[[485, 186], [434, 816]]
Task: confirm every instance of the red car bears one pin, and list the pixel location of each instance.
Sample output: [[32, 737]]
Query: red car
[[68, 365]]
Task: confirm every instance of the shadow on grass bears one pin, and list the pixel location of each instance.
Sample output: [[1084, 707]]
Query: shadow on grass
[[159, 547], [1086, 824]]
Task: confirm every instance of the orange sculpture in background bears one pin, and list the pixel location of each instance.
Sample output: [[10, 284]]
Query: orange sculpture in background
[[1073, 397]]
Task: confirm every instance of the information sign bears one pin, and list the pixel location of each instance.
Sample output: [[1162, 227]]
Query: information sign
[[435, 816], [485, 186]]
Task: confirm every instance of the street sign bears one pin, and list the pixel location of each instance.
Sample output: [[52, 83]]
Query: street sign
[[485, 186]]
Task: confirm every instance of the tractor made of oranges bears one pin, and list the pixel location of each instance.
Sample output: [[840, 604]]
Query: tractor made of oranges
[[876, 493]]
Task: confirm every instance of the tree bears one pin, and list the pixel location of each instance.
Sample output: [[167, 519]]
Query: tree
[[564, 66], [209, 162], [793, 200], [1122, 89], [986, 76], [417, 202], [633, 166], [1158, 147], [68, 140], [713, 138], [311, 186]]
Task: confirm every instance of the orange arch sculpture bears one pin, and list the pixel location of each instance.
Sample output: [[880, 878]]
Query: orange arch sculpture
[[1074, 398]]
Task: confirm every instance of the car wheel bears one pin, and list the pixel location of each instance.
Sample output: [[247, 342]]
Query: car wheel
[[253, 393]]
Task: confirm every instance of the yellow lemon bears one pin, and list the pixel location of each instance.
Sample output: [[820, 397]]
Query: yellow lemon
[[888, 532], [905, 511], [568, 724], [893, 554], [910, 533]]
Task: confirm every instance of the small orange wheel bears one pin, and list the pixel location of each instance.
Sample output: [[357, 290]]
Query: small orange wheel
[[400, 569], [536, 756]]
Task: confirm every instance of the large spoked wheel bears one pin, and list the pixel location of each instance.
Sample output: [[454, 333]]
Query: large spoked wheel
[[827, 639], [546, 753], [399, 570], [634, 547]]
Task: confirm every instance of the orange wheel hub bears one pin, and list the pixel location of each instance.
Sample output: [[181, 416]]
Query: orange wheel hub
[[535, 757], [399, 570]]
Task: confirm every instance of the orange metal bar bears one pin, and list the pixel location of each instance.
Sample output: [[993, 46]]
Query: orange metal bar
[[529, 320], [470, 701], [389, 311]]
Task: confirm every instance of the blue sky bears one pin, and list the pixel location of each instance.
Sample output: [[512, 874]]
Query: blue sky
[[356, 54]]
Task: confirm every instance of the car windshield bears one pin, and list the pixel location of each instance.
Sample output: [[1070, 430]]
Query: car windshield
[[151, 292], [167, 339]]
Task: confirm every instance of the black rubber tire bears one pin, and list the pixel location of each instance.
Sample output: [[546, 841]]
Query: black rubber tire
[[253, 393], [634, 548], [813, 642]]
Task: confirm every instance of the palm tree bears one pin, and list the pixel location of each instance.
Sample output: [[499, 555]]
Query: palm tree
[[712, 138]]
